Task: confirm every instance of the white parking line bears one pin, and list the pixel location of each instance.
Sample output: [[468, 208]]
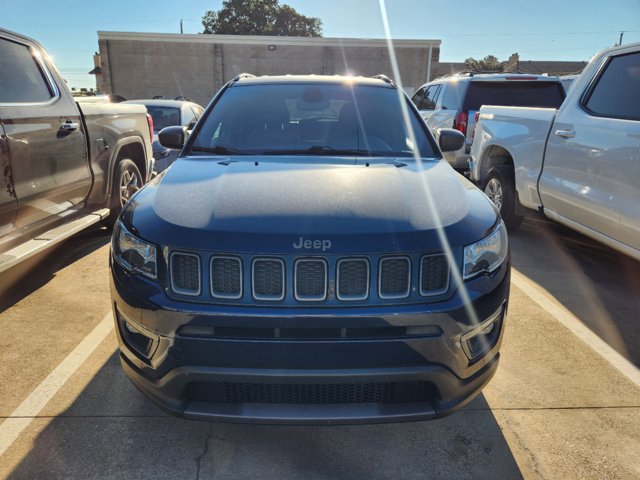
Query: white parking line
[[29, 409], [536, 293]]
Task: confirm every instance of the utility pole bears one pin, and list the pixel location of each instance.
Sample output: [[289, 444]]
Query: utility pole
[[181, 26]]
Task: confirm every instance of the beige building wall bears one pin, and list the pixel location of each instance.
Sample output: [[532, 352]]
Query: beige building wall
[[142, 65]]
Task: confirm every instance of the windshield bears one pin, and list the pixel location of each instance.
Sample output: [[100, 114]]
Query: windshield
[[329, 119], [164, 117]]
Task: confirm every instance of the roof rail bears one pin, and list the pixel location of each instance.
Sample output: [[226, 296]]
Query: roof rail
[[241, 76], [384, 78]]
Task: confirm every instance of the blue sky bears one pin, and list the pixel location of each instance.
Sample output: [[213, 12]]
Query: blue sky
[[536, 29]]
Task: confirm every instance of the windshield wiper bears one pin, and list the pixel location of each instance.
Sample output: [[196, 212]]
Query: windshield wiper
[[323, 150], [220, 150]]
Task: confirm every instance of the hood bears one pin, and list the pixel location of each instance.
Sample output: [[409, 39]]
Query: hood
[[257, 204]]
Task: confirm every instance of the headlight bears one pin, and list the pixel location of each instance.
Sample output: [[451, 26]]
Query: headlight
[[132, 253], [486, 255]]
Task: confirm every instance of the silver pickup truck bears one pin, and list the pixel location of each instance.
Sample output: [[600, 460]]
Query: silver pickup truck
[[580, 164], [64, 166]]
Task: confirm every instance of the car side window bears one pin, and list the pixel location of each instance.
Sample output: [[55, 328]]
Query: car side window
[[451, 98], [616, 91], [417, 97], [21, 79], [430, 98]]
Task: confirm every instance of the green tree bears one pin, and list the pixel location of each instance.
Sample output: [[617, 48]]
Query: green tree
[[260, 17], [489, 63]]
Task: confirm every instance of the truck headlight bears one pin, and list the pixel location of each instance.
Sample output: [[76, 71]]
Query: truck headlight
[[486, 255], [132, 253]]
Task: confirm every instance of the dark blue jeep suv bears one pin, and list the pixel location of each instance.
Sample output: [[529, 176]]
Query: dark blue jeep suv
[[310, 258]]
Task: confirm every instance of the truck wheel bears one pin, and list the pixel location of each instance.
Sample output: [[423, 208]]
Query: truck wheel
[[501, 191], [127, 180]]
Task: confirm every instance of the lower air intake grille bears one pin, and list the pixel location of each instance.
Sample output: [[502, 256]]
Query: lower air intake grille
[[394, 277], [434, 274], [353, 279], [185, 273], [311, 393], [226, 277], [268, 279], [311, 280]]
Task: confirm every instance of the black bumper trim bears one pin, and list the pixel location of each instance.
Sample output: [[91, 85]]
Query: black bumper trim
[[454, 394]]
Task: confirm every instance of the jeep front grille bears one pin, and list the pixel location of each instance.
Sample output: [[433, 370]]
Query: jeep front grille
[[314, 280], [394, 280], [226, 277], [353, 279], [185, 273], [434, 274], [310, 279], [268, 279]]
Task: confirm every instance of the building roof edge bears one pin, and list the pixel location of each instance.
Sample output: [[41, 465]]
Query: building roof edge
[[263, 39]]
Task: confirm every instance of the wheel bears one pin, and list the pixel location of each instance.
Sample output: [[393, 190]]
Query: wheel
[[127, 180], [501, 191]]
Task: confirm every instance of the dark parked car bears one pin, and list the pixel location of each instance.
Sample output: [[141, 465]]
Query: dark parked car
[[167, 113], [310, 258], [64, 166]]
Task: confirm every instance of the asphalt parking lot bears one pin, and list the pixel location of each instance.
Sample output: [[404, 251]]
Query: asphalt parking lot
[[565, 402]]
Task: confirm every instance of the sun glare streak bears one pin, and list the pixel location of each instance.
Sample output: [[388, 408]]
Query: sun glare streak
[[444, 241]]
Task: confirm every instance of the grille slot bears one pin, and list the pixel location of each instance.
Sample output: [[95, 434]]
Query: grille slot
[[434, 274], [394, 277], [353, 279], [268, 279], [185, 273], [226, 277], [310, 393], [310, 280]]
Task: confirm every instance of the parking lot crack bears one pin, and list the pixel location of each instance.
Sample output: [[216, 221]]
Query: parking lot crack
[[199, 458], [535, 465]]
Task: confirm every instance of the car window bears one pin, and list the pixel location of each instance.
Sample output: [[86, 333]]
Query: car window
[[21, 79], [282, 119], [617, 91], [451, 97], [164, 116], [430, 98], [417, 97], [514, 93]]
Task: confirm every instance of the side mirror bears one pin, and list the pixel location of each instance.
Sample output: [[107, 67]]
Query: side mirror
[[450, 140], [173, 137]]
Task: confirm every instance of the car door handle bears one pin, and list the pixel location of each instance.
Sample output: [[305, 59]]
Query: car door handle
[[70, 126], [566, 133]]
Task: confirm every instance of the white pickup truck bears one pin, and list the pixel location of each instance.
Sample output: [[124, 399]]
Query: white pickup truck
[[580, 164]]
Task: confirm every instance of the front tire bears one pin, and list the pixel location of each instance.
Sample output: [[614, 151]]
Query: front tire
[[127, 180], [501, 191]]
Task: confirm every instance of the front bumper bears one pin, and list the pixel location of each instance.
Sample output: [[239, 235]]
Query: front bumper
[[167, 392], [253, 379]]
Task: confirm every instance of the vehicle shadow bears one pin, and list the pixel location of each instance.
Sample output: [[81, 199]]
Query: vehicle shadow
[[596, 283], [111, 431], [25, 278]]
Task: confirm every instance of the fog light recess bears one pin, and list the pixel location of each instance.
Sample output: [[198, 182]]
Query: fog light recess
[[483, 338], [142, 341]]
